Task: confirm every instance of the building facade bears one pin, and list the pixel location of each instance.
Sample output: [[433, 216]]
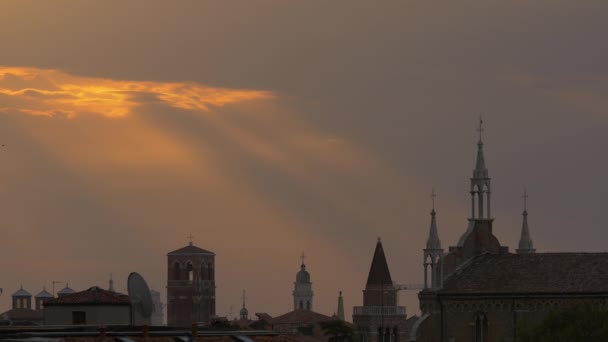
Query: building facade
[[190, 286], [94, 306]]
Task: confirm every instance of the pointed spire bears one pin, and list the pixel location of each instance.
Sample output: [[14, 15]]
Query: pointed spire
[[480, 165], [340, 307], [526, 244], [433, 241], [379, 273]]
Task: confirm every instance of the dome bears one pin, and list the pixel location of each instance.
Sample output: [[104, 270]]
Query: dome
[[244, 313], [65, 291], [22, 293], [44, 294], [303, 276]]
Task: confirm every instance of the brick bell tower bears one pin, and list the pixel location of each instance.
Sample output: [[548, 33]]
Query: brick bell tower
[[190, 286]]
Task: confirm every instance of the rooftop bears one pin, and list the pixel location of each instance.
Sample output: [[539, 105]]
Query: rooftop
[[191, 249], [93, 296], [548, 273]]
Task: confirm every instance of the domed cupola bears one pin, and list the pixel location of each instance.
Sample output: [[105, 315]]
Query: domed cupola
[[303, 276], [65, 291]]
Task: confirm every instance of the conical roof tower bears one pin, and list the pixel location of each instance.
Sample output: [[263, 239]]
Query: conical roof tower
[[526, 244]]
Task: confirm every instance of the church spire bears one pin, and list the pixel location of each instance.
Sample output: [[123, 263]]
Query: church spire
[[526, 244], [480, 182], [433, 241], [379, 273]]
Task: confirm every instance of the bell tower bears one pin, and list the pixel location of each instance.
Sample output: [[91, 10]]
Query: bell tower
[[190, 286]]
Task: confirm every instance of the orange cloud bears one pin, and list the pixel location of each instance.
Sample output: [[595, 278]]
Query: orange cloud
[[51, 92]]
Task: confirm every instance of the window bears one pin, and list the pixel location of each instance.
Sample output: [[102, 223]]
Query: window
[[301, 305], [481, 328], [176, 274], [79, 317], [307, 305], [190, 271]]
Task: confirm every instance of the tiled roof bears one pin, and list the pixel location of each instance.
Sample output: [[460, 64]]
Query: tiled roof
[[300, 317], [379, 273], [191, 249], [539, 273], [92, 296], [22, 315]]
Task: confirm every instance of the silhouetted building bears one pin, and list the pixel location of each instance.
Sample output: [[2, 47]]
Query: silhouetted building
[[94, 306], [479, 291], [21, 313], [190, 286], [380, 319]]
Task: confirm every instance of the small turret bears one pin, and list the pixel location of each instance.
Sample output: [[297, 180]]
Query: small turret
[[526, 244]]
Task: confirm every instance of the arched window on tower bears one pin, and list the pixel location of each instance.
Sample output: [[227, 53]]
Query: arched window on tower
[[211, 272], [176, 275], [481, 327], [190, 271], [204, 275]]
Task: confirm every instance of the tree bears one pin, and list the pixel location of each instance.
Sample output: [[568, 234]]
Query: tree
[[339, 331], [583, 322]]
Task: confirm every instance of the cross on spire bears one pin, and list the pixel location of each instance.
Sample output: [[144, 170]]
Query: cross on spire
[[525, 197], [190, 237], [244, 297], [480, 129], [303, 256], [433, 196]]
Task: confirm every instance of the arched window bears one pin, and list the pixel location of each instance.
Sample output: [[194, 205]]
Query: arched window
[[204, 275], [190, 271], [301, 305], [307, 305], [176, 275], [481, 327]]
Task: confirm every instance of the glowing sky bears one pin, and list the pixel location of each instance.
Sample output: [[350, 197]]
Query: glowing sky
[[266, 128]]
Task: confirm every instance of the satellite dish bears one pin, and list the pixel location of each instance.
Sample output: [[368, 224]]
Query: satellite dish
[[141, 300]]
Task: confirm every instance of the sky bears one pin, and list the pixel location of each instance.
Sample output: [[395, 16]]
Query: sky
[[269, 128]]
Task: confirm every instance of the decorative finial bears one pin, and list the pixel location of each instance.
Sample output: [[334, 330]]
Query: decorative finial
[[303, 256], [480, 129], [190, 237], [525, 197], [340, 293], [379, 239], [433, 196], [244, 297]]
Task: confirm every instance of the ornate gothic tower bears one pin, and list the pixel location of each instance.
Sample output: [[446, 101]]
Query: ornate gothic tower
[[433, 254], [244, 312], [190, 286], [526, 244], [478, 238], [380, 319], [302, 292]]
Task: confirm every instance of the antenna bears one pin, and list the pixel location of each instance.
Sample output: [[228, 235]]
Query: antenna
[[141, 300], [56, 282]]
